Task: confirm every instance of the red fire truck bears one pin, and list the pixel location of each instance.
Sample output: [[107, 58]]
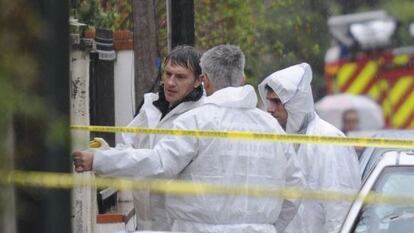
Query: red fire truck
[[364, 62]]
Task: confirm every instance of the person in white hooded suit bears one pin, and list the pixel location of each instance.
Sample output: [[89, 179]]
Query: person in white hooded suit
[[287, 96], [229, 106]]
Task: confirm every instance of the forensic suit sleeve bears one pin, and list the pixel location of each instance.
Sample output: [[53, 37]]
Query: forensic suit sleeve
[[166, 159], [294, 179]]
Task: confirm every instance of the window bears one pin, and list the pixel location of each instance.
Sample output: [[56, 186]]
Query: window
[[389, 218]]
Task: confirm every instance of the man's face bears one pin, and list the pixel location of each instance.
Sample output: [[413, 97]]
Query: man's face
[[178, 83], [350, 121], [276, 108]]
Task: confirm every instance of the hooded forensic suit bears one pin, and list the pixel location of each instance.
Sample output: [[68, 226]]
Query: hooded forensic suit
[[325, 167], [243, 163], [155, 113]]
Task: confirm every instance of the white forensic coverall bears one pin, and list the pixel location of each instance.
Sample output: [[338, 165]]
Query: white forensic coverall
[[215, 160], [325, 167], [150, 208]]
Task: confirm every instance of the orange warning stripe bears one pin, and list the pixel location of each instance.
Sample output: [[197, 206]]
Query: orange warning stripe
[[389, 80], [376, 91], [406, 94], [349, 75], [402, 59], [410, 121], [363, 78], [401, 95], [388, 87], [344, 74], [358, 78], [394, 92], [396, 99], [370, 87], [402, 111], [385, 102]]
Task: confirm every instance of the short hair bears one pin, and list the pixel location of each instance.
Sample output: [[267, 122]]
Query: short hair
[[224, 65], [185, 56]]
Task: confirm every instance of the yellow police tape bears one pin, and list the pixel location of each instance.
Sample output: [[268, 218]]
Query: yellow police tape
[[69, 181], [238, 135], [191, 188]]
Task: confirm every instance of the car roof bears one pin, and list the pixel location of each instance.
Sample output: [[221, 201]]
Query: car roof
[[371, 155]]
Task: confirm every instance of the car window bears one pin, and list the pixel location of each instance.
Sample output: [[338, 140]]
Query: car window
[[389, 218]]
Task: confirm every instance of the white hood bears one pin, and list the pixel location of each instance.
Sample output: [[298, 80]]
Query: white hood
[[234, 97], [292, 85]]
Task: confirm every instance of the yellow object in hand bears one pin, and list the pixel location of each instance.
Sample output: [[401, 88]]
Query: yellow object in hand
[[98, 143], [95, 144]]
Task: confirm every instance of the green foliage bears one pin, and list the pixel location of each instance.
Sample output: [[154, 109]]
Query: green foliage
[[18, 69], [21, 87], [403, 11], [276, 34], [273, 34], [162, 29], [57, 135], [19, 36], [219, 22], [108, 14]]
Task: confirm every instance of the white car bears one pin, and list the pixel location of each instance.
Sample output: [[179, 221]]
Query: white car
[[372, 155], [393, 175]]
